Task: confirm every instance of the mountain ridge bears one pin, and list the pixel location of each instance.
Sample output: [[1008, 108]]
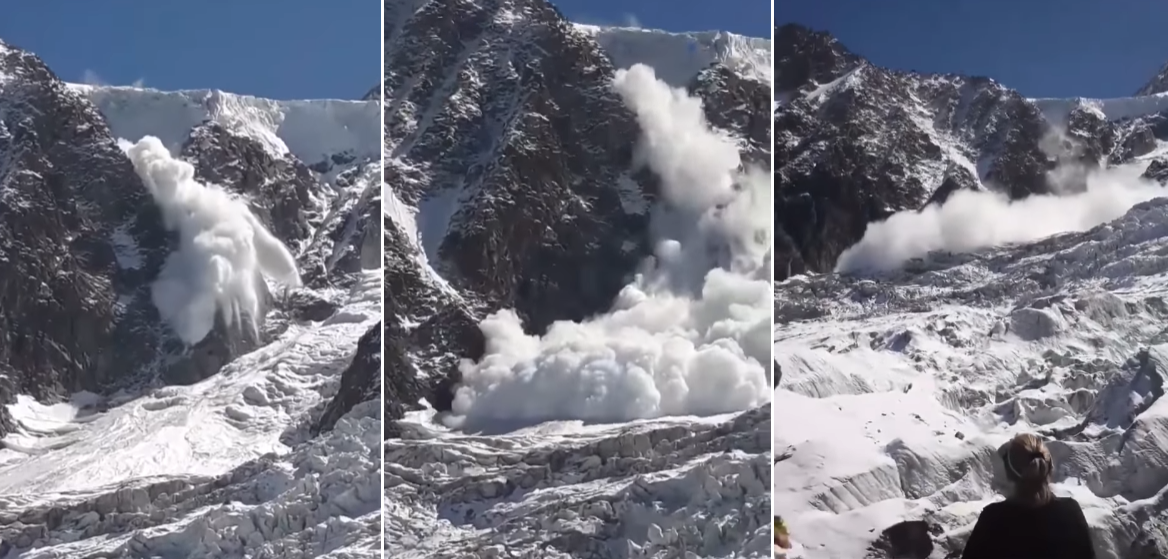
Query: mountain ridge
[[119, 384], [901, 140]]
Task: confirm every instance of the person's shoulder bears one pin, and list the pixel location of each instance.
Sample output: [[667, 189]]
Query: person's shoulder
[[994, 509], [1067, 504], [996, 506]]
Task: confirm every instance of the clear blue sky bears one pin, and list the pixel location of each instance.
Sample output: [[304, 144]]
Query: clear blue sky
[[1042, 48], [284, 49], [745, 17]]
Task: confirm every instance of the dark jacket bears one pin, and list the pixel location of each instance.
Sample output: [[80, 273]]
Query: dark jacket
[[1009, 530]]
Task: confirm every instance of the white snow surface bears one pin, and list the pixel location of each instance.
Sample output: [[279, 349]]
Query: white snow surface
[[678, 57], [663, 488], [156, 457], [898, 388], [311, 129]]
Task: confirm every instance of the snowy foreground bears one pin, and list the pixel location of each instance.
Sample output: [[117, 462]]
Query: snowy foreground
[[897, 390], [200, 471], [625, 491]]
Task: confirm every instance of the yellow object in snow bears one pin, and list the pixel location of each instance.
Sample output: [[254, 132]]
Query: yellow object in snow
[[782, 539]]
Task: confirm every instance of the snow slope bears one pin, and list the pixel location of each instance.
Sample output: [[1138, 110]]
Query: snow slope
[[198, 430], [671, 487], [898, 388], [155, 455], [225, 467]]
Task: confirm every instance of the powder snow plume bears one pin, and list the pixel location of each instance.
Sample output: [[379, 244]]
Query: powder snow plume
[[972, 220], [691, 335], [224, 251]]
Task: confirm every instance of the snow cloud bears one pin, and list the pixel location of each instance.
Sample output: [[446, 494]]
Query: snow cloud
[[691, 335], [91, 77], [224, 251], [969, 221]]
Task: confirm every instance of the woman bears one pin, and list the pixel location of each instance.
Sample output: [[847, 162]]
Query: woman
[[1032, 523]]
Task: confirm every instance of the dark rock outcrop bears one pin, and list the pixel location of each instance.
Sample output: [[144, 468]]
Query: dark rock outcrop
[[361, 381], [910, 539], [79, 241], [803, 56], [739, 105], [278, 189]]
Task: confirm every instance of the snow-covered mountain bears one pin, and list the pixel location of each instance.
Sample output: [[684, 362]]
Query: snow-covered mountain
[[519, 226], [128, 430], [1015, 285]]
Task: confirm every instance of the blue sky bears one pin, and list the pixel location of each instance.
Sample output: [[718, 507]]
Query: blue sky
[[284, 49], [1042, 48], [745, 17]]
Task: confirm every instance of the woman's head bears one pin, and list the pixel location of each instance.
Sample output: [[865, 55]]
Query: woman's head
[[1028, 467]]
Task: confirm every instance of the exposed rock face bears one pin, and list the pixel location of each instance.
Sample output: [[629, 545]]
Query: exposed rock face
[[279, 190], [1158, 83], [508, 148], [855, 143], [79, 241], [739, 105], [803, 56], [361, 381], [911, 539]]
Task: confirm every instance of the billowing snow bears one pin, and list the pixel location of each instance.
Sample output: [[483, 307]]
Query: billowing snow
[[897, 389], [309, 129], [637, 433], [690, 335], [224, 251], [1057, 110], [678, 57], [961, 224]]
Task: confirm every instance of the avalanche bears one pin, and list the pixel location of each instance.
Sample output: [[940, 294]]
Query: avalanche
[[638, 432], [230, 465]]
